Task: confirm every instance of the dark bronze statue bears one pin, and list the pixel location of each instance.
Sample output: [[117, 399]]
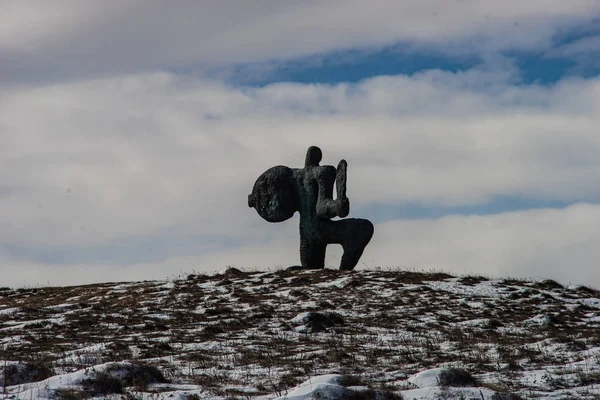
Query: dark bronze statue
[[281, 191]]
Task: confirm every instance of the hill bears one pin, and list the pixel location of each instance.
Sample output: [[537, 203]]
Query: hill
[[367, 334]]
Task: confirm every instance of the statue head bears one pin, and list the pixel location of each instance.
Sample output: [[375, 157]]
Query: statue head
[[314, 155], [273, 194]]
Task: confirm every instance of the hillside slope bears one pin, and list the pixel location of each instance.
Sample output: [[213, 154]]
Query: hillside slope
[[263, 334]]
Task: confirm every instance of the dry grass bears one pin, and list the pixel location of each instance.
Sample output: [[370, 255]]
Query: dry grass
[[234, 329]]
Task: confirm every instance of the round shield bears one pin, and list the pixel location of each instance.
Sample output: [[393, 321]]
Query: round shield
[[273, 194]]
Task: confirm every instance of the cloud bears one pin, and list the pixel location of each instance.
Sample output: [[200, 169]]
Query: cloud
[[546, 243], [588, 44], [560, 244], [585, 52], [71, 39], [124, 164]]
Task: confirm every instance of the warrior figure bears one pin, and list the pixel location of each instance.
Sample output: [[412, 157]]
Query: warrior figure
[[281, 191]]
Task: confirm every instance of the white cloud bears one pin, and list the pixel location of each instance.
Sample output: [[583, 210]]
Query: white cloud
[[584, 52], [589, 43], [90, 163], [73, 38], [560, 244]]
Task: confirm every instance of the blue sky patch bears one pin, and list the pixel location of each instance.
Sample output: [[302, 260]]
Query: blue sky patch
[[568, 55], [500, 204]]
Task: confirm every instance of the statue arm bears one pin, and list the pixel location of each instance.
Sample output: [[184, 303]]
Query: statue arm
[[327, 207]]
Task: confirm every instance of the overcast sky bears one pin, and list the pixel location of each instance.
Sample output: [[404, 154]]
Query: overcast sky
[[131, 133]]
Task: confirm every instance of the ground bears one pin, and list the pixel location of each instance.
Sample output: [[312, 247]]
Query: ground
[[252, 334]]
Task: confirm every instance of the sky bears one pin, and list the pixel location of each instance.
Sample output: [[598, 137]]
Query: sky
[[131, 133]]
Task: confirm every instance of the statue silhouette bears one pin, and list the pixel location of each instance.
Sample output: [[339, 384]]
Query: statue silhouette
[[281, 191]]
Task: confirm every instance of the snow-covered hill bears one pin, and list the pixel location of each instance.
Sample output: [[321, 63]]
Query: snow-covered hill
[[386, 334]]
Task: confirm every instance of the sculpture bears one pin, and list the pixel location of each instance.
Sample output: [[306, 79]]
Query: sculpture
[[281, 191]]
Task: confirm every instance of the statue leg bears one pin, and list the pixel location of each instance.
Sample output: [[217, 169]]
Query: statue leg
[[312, 254], [353, 234]]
